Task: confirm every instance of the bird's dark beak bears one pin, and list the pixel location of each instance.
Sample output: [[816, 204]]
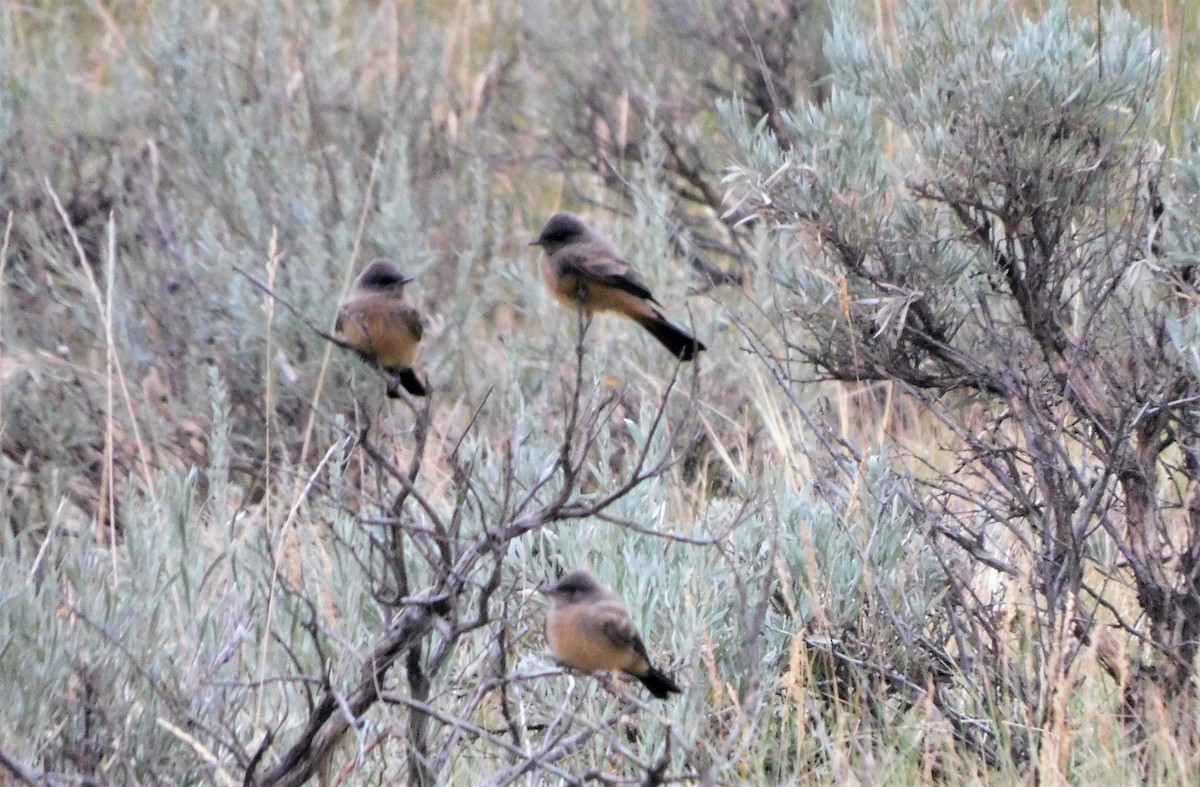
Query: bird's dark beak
[[537, 242]]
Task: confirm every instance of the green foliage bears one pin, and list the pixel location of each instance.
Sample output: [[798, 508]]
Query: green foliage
[[982, 215], [197, 547]]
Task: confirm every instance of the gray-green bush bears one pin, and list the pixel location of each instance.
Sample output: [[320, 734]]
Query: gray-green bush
[[227, 559], [983, 221]]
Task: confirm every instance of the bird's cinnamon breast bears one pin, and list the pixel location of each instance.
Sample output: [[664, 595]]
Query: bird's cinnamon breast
[[579, 641], [380, 329]]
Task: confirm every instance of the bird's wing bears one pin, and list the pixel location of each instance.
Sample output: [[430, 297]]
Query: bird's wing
[[350, 323], [621, 632], [411, 319], [593, 264]]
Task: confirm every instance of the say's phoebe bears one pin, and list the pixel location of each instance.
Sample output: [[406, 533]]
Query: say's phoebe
[[589, 629], [584, 271], [381, 326]]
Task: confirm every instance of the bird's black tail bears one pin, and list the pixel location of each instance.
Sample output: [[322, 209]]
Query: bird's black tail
[[659, 684], [409, 380], [682, 344]]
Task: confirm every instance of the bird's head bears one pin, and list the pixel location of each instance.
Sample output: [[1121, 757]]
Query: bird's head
[[382, 276], [574, 586], [561, 230]]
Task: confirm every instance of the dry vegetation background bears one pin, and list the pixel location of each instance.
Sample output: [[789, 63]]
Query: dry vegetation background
[[906, 521]]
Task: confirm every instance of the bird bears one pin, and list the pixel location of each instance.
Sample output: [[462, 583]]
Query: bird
[[589, 629], [381, 326], [585, 271]]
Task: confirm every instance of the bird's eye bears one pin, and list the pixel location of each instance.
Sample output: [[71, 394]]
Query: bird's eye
[[380, 280]]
